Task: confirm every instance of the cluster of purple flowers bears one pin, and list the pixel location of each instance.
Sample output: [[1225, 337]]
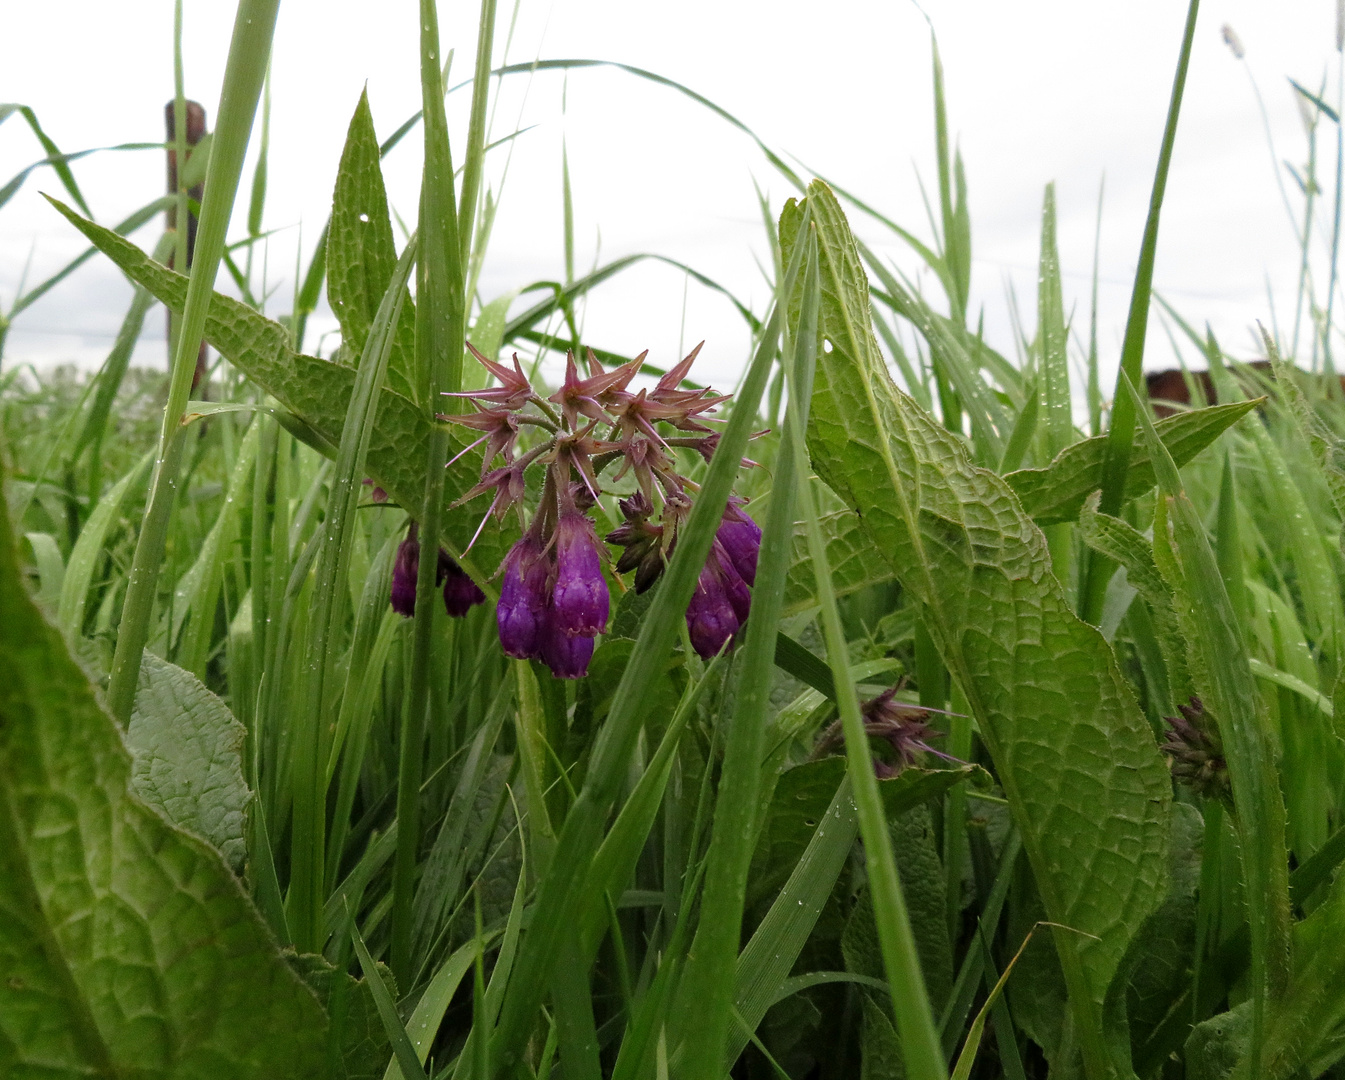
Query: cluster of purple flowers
[[461, 593], [553, 597]]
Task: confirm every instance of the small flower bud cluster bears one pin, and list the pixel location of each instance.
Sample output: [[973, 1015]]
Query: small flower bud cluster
[[553, 597], [461, 593], [1195, 749], [903, 727]]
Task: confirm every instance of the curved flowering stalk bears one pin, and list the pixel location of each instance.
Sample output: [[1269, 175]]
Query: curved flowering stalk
[[590, 435]]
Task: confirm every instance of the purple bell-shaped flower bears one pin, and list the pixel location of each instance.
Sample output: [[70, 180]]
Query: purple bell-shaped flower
[[741, 537], [580, 602], [522, 614], [712, 615], [461, 593], [404, 570]]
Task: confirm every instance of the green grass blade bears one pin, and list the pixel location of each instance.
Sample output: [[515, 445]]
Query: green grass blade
[[1121, 435], [244, 72], [402, 1047], [88, 549], [310, 728], [1053, 363], [700, 1020], [440, 331]]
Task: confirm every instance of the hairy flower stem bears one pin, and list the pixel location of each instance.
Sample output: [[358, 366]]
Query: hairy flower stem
[[243, 77]]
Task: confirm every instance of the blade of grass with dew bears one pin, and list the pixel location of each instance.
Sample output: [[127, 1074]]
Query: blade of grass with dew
[[559, 900], [1093, 574], [402, 1048], [700, 1019], [443, 870], [310, 729], [1077, 761], [88, 549], [779, 939], [196, 593], [616, 858], [1229, 693], [920, 1044], [376, 626], [441, 328], [244, 71]]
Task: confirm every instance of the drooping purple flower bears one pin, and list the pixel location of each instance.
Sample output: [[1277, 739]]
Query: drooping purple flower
[[580, 602], [404, 570], [522, 611], [741, 537], [711, 616], [461, 593], [567, 655]]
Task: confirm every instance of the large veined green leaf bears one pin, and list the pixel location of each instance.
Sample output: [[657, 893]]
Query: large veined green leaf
[[361, 254], [127, 946], [188, 757], [318, 393], [1085, 782], [1056, 493]]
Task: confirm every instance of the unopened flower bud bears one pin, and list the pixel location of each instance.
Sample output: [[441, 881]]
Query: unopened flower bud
[[522, 611], [580, 602], [1195, 749]]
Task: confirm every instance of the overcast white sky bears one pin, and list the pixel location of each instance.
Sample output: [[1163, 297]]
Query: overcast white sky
[[1039, 90]]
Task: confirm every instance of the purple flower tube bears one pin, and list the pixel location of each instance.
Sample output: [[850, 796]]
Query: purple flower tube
[[522, 611], [580, 603], [741, 537], [461, 593]]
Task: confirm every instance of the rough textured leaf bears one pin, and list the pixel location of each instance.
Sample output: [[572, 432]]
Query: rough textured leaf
[[127, 946], [361, 254], [364, 1043], [318, 392], [1056, 493], [854, 562], [187, 752], [1076, 758]]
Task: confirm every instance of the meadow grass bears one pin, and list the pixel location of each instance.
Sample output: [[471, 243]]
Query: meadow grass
[[1025, 763]]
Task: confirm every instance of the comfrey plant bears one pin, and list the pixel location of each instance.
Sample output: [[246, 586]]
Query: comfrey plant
[[554, 600]]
